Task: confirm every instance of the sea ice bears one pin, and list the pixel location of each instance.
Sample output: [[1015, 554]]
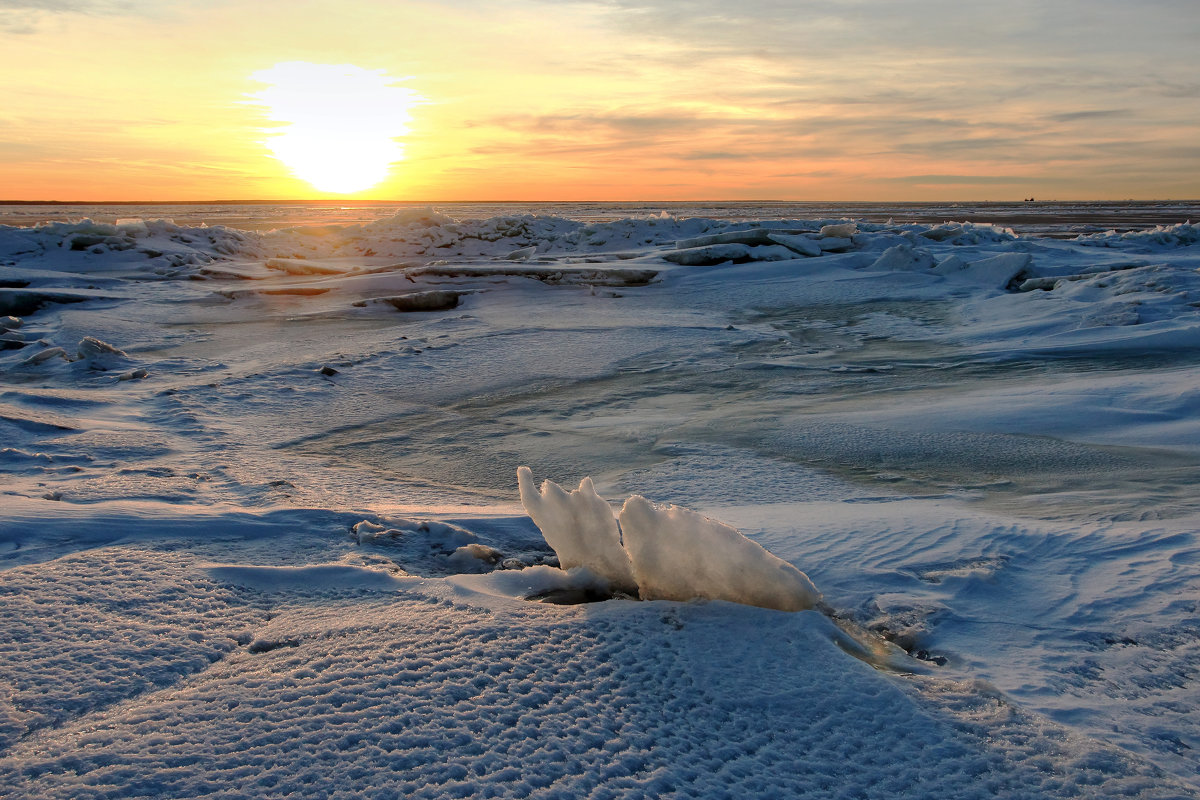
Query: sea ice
[[666, 553], [43, 356], [435, 300], [709, 255], [475, 557], [843, 230], [904, 257], [968, 233], [167, 594], [96, 351], [713, 254], [996, 272], [300, 266], [523, 254], [752, 236], [800, 244], [678, 554], [835, 244], [580, 527]]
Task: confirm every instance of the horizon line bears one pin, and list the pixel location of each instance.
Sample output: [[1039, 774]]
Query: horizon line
[[560, 202]]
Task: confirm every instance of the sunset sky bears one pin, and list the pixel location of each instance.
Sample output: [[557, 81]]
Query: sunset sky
[[599, 100]]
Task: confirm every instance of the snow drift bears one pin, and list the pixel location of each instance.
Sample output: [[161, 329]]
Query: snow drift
[[661, 552]]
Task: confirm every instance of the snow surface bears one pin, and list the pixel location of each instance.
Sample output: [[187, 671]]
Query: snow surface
[[261, 538]]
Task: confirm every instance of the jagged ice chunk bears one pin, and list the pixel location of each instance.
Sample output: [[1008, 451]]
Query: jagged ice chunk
[[678, 554], [580, 527]]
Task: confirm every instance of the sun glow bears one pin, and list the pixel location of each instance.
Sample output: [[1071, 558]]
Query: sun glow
[[339, 122]]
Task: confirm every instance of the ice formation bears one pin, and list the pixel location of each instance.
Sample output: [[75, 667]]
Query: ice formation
[[678, 554], [997, 271], [903, 257], [661, 553], [713, 254], [840, 231], [799, 244], [580, 527]]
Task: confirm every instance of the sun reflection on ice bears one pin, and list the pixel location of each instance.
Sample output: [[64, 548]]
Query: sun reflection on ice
[[339, 122]]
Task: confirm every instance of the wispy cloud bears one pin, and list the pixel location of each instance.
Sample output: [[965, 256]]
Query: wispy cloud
[[964, 180], [29, 16], [94, 7], [994, 88], [1072, 116]]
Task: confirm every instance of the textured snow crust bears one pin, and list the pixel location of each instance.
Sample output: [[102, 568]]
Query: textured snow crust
[[431, 692]]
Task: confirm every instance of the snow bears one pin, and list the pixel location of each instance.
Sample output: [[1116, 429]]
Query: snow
[[319, 578], [363, 697], [260, 534]]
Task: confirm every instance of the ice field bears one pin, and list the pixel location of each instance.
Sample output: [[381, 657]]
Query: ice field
[[262, 533]]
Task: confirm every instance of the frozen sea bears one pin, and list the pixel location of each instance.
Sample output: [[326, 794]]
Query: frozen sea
[[261, 534]]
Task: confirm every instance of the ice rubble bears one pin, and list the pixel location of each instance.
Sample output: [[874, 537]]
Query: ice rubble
[[1182, 234], [160, 247], [966, 233], [661, 552], [997, 272], [713, 254], [904, 257]]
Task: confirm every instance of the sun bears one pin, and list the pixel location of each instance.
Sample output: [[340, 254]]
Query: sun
[[339, 122]]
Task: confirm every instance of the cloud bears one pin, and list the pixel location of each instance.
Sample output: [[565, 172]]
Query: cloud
[[712, 155], [964, 180], [43, 5], [857, 29], [787, 90], [78, 6], [1072, 116], [1179, 90], [683, 135], [28, 16], [997, 89]]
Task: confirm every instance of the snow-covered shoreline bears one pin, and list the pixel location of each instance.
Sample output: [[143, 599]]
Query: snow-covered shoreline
[[259, 487]]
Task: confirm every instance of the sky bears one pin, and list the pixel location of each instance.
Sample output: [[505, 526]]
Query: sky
[[599, 100]]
